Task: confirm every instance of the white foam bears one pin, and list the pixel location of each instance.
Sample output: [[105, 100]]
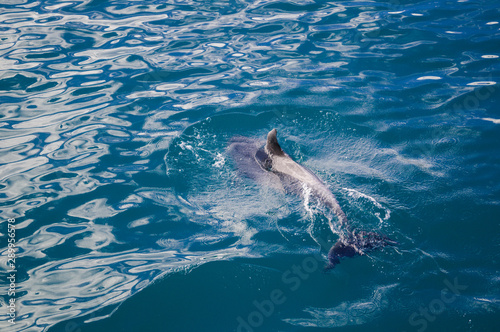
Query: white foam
[[482, 83], [306, 192], [425, 78], [495, 121], [356, 194], [219, 160]]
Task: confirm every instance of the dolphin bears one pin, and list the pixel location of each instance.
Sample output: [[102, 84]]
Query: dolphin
[[274, 166]]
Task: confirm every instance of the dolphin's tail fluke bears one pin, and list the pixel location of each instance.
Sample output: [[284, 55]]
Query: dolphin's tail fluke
[[358, 243]]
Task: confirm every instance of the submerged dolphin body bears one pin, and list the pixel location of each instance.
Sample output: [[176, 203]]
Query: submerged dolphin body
[[276, 164]]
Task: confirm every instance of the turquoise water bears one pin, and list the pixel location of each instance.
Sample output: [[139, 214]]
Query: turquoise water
[[130, 215]]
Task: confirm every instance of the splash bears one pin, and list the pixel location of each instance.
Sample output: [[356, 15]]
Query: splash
[[386, 213]]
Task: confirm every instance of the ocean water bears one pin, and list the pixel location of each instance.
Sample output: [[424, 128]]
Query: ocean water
[[128, 213]]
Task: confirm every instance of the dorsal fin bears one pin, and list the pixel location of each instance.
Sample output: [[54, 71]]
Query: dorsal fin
[[272, 146]]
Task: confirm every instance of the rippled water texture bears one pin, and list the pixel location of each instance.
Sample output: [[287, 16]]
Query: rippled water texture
[[114, 122]]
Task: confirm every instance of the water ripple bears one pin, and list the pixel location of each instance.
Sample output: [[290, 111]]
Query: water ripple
[[104, 131], [67, 288]]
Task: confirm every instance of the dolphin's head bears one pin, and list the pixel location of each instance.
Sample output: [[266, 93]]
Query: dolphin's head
[[339, 250], [358, 243]]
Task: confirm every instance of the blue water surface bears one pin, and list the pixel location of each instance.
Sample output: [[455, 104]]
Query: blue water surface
[[130, 215]]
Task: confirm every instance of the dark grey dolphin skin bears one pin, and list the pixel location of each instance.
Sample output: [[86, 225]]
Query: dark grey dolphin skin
[[272, 165]]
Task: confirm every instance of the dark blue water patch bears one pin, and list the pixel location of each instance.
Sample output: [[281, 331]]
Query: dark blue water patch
[[43, 55], [78, 40], [85, 91], [42, 87], [64, 230], [196, 300], [17, 82], [233, 283]]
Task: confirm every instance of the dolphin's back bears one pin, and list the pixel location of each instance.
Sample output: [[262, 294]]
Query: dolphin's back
[[295, 176], [272, 164], [304, 177]]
